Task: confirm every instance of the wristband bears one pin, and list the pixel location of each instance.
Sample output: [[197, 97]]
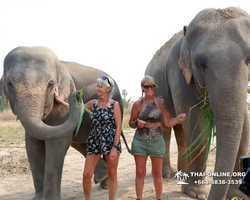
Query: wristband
[[115, 145], [136, 123]]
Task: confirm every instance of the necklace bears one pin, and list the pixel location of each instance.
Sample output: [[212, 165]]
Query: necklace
[[103, 103]]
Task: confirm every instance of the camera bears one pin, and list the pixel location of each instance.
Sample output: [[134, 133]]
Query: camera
[[245, 167]]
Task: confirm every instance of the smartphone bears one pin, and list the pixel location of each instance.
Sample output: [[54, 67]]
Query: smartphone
[[244, 163], [245, 167]]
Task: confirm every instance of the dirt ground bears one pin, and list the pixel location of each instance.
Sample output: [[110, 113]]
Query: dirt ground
[[16, 180]]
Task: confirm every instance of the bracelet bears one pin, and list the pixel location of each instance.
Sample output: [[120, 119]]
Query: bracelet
[[136, 123], [115, 145]]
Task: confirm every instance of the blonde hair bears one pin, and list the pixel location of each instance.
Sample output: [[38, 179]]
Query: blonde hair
[[151, 81]]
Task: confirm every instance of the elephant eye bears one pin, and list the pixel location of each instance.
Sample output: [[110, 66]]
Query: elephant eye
[[9, 84], [248, 60], [201, 64], [50, 84]]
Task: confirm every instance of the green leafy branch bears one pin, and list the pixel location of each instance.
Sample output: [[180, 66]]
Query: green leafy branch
[[83, 108], [209, 128]]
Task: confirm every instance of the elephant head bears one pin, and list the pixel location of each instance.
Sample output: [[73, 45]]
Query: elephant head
[[215, 54], [28, 83]]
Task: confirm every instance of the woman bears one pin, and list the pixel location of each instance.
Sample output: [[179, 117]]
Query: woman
[[146, 116], [104, 137]]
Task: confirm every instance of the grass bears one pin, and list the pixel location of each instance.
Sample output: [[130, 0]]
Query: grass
[[126, 117], [12, 132], [209, 128]]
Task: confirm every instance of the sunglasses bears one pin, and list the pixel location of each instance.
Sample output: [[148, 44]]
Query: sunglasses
[[149, 86], [105, 78]]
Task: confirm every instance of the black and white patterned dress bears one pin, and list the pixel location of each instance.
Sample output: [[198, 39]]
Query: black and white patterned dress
[[102, 134]]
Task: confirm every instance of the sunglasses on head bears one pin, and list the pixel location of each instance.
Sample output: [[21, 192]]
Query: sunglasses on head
[[105, 78], [149, 86]]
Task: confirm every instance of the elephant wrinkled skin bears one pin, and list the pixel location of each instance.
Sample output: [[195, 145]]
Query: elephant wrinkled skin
[[213, 51], [28, 83]]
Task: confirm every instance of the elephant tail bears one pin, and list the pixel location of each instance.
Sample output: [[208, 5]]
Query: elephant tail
[[125, 141]]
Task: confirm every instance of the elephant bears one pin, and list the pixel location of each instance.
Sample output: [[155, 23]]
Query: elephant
[[167, 170], [210, 55], [28, 83]]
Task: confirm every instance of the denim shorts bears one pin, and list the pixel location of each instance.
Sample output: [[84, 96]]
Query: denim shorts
[[154, 147]]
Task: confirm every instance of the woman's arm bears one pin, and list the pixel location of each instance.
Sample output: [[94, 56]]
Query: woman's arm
[[60, 101], [118, 123], [88, 105], [167, 120], [133, 123]]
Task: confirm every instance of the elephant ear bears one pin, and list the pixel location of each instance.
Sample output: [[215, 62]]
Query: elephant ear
[[185, 60], [64, 80], [3, 91]]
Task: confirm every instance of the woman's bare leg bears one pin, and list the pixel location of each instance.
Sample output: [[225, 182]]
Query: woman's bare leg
[[112, 175], [157, 174], [140, 162], [90, 163]]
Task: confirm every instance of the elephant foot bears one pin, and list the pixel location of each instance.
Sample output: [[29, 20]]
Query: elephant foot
[[96, 180], [38, 196], [104, 184], [195, 191], [168, 172], [233, 191]]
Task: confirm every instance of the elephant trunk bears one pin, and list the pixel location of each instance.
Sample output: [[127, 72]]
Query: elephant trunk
[[38, 129], [229, 119]]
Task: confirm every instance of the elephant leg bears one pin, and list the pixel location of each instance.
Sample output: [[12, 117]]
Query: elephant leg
[[195, 162], [54, 165], [100, 172], [181, 145], [167, 170], [233, 190], [36, 154]]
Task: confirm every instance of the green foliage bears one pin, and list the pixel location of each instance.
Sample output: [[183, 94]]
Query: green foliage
[[83, 108], [126, 102], [2, 105], [209, 128]]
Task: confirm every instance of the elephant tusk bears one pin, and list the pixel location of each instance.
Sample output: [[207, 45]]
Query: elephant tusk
[[16, 118]]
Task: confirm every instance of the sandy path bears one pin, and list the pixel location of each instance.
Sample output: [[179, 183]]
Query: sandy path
[[15, 186]]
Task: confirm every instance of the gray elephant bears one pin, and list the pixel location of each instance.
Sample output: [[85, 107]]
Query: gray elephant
[[213, 52], [167, 170], [29, 80]]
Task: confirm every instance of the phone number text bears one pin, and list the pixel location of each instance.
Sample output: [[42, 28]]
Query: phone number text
[[218, 182]]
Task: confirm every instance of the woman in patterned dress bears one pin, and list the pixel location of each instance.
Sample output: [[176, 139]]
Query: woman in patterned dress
[[104, 137], [146, 116]]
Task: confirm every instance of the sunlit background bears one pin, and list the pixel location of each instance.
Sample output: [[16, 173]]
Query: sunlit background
[[117, 36]]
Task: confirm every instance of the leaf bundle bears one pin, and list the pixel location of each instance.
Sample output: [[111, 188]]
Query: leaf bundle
[[209, 129], [83, 108]]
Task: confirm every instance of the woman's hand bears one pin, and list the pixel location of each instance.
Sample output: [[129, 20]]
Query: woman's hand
[[113, 154], [182, 117], [56, 95], [141, 123]]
